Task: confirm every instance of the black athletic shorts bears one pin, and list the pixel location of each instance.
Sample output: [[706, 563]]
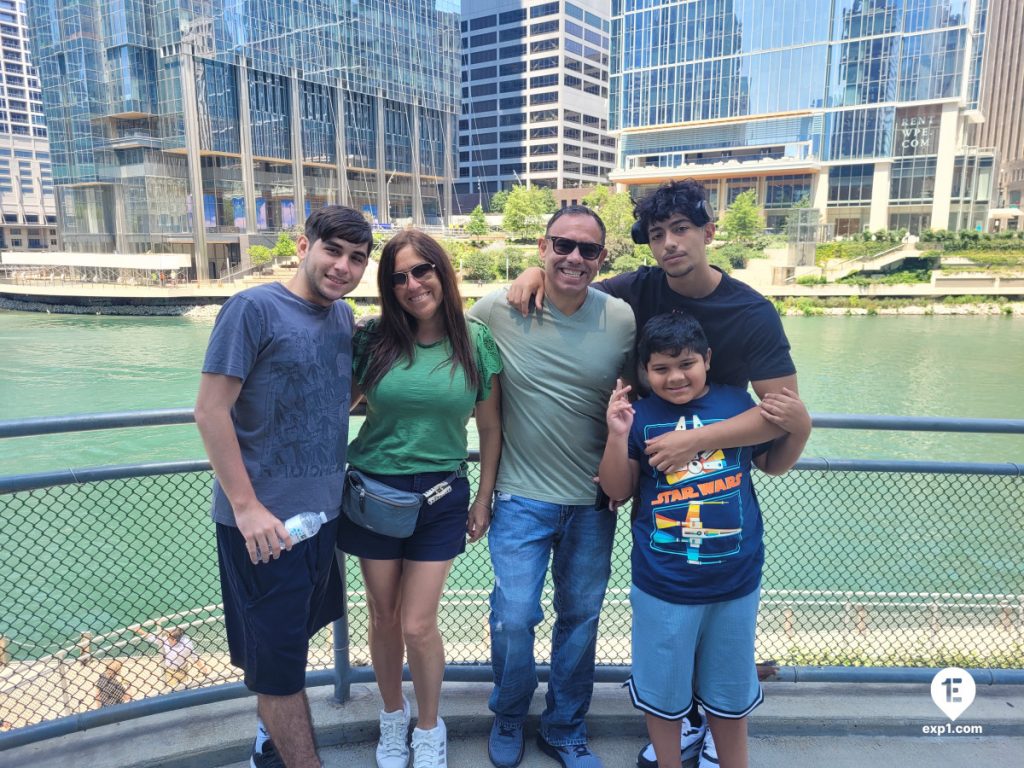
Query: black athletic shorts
[[271, 610]]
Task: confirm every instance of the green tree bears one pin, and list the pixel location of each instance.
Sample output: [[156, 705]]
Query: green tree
[[477, 222], [284, 249], [743, 221], [498, 200], [260, 255], [526, 211], [616, 211], [480, 265]]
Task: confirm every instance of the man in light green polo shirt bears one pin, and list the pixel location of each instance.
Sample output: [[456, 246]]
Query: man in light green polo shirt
[[559, 370]]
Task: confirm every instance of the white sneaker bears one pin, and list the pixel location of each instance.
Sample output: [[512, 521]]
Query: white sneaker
[[392, 749], [430, 748], [708, 753]]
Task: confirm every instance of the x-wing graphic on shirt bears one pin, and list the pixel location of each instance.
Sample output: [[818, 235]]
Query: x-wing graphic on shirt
[[703, 462], [689, 532]]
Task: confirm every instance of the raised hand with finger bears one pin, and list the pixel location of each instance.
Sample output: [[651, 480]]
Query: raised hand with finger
[[620, 412]]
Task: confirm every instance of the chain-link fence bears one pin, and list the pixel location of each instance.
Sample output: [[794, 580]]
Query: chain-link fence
[[111, 590]]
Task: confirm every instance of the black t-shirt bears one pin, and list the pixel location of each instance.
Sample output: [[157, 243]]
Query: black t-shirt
[[743, 328]]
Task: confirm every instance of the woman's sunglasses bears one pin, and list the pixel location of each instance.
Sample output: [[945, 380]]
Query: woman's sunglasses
[[563, 246], [420, 271]]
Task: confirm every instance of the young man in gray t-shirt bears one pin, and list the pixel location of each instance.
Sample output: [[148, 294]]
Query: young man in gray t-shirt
[[559, 370], [273, 414]]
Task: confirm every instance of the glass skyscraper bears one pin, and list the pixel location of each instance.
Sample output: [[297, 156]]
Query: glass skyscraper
[[205, 126], [861, 107]]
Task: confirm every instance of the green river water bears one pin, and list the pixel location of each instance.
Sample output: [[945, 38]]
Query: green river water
[[915, 366]]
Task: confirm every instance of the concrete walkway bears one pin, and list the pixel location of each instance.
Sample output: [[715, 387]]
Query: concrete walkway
[[800, 725]]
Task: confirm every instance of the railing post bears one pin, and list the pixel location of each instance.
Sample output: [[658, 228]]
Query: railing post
[[342, 667]]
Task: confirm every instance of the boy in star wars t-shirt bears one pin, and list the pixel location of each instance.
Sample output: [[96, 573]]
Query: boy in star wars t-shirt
[[697, 539]]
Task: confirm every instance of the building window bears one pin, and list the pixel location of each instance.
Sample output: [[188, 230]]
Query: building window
[[487, 38], [512, 33], [551, 97], [545, 9], [544, 28], [510, 17], [850, 184], [483, 22]]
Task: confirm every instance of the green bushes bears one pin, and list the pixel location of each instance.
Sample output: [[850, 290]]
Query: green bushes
[[969, 240]]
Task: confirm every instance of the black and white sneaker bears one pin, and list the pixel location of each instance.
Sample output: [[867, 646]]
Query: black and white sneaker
[[690, 740], [268, 758], [708, 753]]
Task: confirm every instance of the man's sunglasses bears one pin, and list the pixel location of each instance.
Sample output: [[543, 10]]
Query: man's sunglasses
[[420, 271], [563, 246]]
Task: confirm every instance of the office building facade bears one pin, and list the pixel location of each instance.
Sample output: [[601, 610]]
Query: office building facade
[[861, 108], [205, 126], [1002, 97], [534, 97], [27, 212]]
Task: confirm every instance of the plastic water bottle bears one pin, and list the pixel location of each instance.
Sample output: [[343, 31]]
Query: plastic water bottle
[[304, 525]]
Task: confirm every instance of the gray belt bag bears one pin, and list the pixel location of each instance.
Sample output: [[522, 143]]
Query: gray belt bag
[[388, 511]]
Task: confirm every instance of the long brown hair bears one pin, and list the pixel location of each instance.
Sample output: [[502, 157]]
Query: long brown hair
[[394, 337]]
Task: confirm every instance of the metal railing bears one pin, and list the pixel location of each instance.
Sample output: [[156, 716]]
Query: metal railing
[[899, 567]]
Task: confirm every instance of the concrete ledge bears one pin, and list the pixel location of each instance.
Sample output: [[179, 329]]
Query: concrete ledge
[[219, 734]]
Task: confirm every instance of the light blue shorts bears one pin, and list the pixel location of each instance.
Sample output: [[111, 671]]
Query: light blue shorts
[[682, 651]]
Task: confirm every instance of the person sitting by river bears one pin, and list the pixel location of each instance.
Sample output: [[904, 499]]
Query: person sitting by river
[[110, 688], [424, 369], [178, 652]]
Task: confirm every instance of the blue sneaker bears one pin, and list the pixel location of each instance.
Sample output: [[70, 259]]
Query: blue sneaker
[[690, 739], [505, 745], [571, 755]]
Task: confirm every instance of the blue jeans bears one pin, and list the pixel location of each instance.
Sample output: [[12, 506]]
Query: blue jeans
[[524, 534]]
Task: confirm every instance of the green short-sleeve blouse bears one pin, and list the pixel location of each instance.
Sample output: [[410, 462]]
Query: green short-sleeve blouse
[[416, 415]]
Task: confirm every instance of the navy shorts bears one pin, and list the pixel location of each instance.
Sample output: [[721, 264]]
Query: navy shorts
[[272, 609], [440, 532]]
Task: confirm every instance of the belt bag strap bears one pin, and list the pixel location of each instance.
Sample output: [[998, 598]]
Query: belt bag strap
[[443, 488]]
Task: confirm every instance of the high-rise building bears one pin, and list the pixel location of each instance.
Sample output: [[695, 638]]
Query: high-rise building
[[860, 107], [27, 207], [1002, 97], [534, 97], [205, 126]]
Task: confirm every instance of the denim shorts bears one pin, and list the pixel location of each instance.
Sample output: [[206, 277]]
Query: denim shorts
[[683, 651], [272, 609], [440, 532]]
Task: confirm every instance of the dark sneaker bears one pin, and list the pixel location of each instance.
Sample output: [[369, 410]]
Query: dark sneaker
[[570, 756], [690, 739], [505, 744], [268, 758]]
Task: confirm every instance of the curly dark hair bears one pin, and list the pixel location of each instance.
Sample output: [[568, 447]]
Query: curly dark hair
[[686, 197]]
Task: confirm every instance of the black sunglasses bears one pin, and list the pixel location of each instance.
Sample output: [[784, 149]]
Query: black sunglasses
[[420, 271], [563, 246]]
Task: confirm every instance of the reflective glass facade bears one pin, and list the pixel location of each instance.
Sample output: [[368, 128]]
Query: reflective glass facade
[[741, 89], [208, 125]]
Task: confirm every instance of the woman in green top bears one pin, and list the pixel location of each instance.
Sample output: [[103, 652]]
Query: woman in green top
[[424, 369]]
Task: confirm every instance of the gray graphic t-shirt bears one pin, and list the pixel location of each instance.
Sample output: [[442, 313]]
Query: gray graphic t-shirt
[[295, 362]]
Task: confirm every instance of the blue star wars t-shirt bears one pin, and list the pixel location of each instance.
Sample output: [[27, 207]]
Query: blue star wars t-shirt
[[698, 537]]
